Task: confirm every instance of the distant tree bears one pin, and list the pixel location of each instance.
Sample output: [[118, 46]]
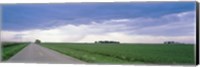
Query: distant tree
[[108, 42], [171, 42], [37, 41]]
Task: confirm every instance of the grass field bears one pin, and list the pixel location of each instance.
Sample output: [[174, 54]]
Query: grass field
[[127, 53], [10, 49]]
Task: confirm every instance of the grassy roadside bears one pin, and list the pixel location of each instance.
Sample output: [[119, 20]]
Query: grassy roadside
[[127, 54], [10, 49], [86, 56]]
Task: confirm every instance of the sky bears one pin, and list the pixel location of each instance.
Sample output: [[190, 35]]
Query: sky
[[133, 22]]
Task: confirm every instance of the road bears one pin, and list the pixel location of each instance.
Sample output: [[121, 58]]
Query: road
[[34, 53]]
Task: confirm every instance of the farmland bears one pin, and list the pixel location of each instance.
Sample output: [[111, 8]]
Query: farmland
[[127, 53], [9, 49]]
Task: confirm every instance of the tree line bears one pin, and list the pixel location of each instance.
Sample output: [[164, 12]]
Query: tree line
[[116, 42]]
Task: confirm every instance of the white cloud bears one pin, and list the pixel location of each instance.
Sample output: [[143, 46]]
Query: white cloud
[[114, 29], [66, 33]]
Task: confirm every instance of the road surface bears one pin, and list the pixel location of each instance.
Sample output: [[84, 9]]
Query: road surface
[[34, 53]]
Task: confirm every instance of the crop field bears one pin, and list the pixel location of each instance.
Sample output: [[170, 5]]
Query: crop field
[[127, 53], [10, 49]]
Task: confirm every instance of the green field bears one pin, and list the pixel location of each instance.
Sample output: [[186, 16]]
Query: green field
[[10, 49], [127, 53]]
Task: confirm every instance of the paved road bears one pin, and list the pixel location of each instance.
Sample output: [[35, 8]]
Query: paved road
[[34, 53]]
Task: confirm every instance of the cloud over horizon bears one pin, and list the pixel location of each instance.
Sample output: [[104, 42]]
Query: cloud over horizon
[[175, 26]]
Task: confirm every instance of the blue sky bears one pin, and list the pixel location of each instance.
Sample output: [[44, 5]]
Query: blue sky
[[127, 19]]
